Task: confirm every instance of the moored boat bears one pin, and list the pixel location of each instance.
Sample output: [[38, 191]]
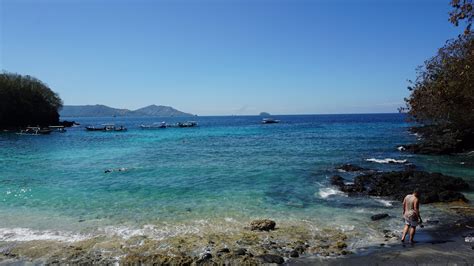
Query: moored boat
[[187, 124], [270, 121], [106, 127], [95, 128], [60, 129], [35, 131], [154, 126]]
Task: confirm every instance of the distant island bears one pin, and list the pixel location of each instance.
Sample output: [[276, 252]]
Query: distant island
[[104, 111], [264, 114]]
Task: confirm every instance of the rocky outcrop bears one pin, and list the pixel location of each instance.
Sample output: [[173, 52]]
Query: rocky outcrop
[[351, 168], [262, 225], [440, 140], [434, 187]]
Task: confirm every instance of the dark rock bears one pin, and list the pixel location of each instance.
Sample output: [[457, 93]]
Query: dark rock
[[240, 252], [300, 249], [294, 254], [337, 180], [379, 216], [438, 140], [434, 187], [224, 250], [270, 258], [431, 222], [262, 225], [350, 168]]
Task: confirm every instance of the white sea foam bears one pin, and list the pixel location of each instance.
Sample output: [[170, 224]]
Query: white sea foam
[[386, 203], [26, 234], [401, 148], [327, 192], [360, 210], [386, 160], [151, 231]]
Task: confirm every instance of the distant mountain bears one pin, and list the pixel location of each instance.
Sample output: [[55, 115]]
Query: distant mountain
[[264, 114], [159, 110], [104, 111]]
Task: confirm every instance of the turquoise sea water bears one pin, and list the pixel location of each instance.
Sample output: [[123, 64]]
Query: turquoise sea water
[[228, 170]]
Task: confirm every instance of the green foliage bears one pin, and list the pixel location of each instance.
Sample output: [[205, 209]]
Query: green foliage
[[25, 100], [462, 11], [442, 97], [443, 93]]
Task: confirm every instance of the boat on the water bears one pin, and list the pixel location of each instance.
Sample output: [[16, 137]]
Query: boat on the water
[[187, 124], [95, 128], [35, 131], [154, 126], [270, 121], [106, 127], [59, 129]]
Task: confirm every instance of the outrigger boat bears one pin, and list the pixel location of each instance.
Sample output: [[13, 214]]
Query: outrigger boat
[[106, 127], [34, 131], [187, 124], [154, 126], [60, 129], [270, 121]]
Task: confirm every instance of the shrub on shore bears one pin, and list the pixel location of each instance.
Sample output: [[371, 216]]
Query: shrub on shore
[[25, 100]]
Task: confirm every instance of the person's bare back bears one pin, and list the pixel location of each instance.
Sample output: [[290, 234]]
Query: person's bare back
[[411, 215]]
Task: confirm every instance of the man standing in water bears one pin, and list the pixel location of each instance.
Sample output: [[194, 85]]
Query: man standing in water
[[411, 214]]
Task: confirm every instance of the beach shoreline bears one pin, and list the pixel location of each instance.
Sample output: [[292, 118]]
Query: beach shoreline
[[437, 245], [446, 245]]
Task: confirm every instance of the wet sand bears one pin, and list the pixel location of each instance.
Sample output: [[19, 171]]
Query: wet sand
[[438, 246]]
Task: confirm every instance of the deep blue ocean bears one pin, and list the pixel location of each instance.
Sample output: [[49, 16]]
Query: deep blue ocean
[[228, 170]]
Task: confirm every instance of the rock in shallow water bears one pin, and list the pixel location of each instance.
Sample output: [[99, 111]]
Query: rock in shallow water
[[434, 187], [379, 216], [351, 168], [262, 225], [337, 180]]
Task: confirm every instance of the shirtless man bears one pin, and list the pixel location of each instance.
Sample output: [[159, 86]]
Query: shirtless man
[[411, 214]]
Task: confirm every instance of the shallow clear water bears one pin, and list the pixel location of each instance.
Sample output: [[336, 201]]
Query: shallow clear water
[[227, 170]]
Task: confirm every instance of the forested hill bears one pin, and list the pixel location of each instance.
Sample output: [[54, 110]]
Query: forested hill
[[104, 111]]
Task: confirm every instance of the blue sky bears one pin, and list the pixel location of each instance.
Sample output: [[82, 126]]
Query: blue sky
[[226, 57]]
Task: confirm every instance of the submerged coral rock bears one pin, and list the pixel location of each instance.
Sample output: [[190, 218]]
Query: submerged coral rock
[[379, 216], [262, 225], [351, 168]]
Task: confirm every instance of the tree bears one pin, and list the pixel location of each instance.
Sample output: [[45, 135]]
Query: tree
[[442, 97], [25, 100], [462, 11]]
